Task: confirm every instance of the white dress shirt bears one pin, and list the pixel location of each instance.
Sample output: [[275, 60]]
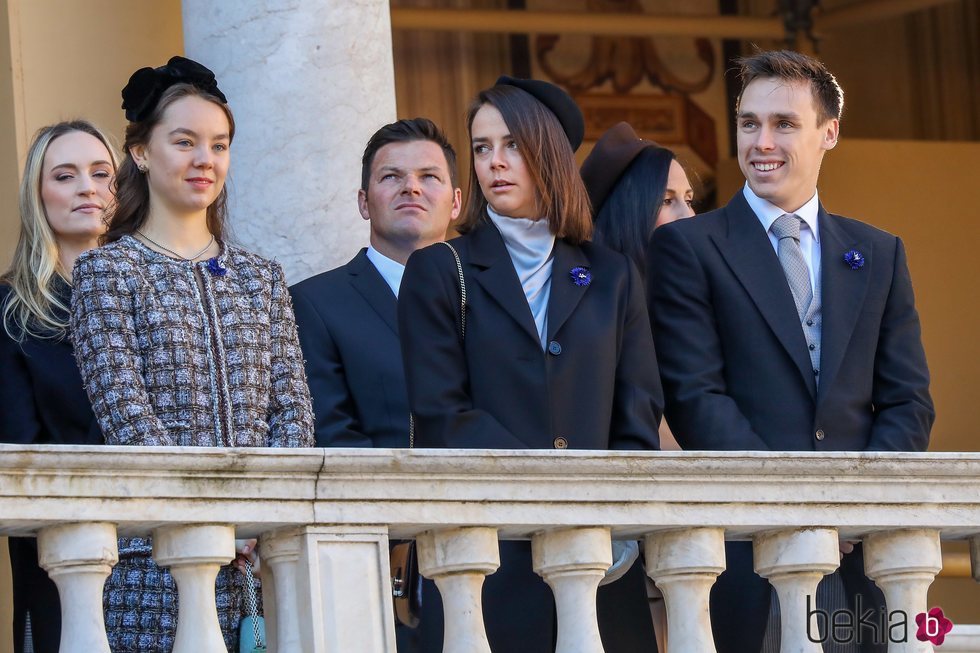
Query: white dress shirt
[[391, 271], [767, 212]]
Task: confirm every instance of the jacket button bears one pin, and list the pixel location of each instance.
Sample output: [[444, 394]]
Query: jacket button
[[819, 434], [554, 348], [561, 443]]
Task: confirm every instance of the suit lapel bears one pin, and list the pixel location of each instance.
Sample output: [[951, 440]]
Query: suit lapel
[[496, 274], [366, 280], [753, 260], [565, 295], [842, 294]]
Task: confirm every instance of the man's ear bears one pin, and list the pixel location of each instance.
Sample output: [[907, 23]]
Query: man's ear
[[457, 204], [362, 204], [831, 132]]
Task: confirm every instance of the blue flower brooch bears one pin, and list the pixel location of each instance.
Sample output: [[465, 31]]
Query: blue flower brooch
[[216, 267], [854, 259], [580, 276]]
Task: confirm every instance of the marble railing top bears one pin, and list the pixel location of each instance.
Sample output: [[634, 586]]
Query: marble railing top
[[518, 491]]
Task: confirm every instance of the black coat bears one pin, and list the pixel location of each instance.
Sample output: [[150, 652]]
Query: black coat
[[43, 402], [348, 328], [596, 387], [738, 375]]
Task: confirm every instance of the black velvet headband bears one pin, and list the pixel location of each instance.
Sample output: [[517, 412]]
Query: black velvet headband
[[557, 101], [146, 85]]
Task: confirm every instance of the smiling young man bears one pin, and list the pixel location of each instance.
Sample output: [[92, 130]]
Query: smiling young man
[[780, 326], [347, 317]]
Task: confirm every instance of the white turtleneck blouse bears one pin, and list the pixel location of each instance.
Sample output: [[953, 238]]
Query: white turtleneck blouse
[[531, 245]]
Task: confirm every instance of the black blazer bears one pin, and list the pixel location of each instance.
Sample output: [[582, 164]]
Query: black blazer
[[596, 386], [737, 372], [348, 329], [43, 402]]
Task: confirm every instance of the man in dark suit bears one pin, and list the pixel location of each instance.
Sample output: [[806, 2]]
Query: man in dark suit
[[347, 317], [779, 326]]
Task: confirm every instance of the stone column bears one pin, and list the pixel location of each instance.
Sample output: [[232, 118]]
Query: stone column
[[78, 558], [685, 564], [309, 82], [903, 564], [194, 554], [343, 587], [457, 560], [794, 561], [573, 561], [281, 552]]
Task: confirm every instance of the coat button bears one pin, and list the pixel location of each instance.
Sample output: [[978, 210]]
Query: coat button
[[812, 347], [561, 443], [819, 434], [554, 348]]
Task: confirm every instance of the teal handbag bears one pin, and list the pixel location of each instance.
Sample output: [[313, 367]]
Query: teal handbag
[[251, 634]]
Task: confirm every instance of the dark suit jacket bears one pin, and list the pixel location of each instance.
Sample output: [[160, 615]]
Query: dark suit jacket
[[42, 401], [595, 388], [735, 366], [348, 329]]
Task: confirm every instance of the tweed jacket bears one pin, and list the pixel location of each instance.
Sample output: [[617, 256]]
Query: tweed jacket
[[190, 354]]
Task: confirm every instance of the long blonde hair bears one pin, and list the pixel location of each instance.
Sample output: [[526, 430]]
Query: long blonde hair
[[32, 308]]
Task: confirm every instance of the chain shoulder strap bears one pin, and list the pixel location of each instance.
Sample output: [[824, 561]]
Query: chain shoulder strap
[[252, 605], [462, 328]]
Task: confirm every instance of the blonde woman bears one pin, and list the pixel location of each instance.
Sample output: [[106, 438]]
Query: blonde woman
[[64, 193]]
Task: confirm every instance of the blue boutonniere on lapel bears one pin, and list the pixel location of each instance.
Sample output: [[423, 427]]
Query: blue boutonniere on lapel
[[854, 259], [580, 276], [216, 267]]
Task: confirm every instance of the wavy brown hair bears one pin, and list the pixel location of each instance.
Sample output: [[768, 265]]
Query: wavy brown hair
[[559, 191], [132, 189], [33, 308]]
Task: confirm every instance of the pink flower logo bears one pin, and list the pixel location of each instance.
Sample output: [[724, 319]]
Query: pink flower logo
[[933, 626]]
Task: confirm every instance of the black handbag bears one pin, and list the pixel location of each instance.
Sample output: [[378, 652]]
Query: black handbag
[[406, 582]]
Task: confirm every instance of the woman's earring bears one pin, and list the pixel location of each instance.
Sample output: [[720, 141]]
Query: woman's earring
[[142, 168]]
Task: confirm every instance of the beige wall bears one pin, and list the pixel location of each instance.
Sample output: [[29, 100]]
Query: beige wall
[[69, 60], [924, 192]]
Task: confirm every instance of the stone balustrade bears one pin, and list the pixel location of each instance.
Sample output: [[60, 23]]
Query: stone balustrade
[[324, 518]]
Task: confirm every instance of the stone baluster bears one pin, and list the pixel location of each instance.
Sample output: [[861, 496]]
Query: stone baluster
[[280, 553], [573, 561], [78, 558], [458, 560], [794, 561], [194, 554], [903, 564], [685, 564]]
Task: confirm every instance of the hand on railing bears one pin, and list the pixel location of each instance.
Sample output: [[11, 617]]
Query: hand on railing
[[248, 550]]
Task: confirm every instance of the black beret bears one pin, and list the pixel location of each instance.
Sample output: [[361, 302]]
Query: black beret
[[558, 102], [146, 85], [612, 155]]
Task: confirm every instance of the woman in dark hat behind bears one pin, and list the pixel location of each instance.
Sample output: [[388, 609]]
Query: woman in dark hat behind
[[635, 186], [556, 351], [182, 338]]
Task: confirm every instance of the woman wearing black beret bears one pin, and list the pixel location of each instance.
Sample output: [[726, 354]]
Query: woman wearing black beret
[[635, 186], [556, 350]]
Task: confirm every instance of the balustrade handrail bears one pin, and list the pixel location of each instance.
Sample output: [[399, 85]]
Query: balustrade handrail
[[325, 517], [518, 491]]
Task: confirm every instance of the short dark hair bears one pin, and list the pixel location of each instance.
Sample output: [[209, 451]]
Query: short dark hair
[[548, 156], [828, 96], [404, 131]]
